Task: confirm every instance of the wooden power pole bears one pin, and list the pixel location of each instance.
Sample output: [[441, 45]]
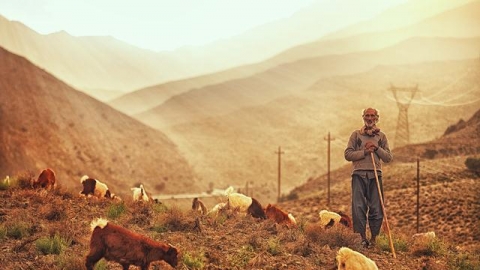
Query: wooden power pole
[[418, 195], [328, 138], [280, 152]]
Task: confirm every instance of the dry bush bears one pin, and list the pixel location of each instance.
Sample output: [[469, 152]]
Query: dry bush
[[425, 246], [336, 236], [141, 213], [70, 262], [313, 232], [174, 219], [53, 211], [24, 179]]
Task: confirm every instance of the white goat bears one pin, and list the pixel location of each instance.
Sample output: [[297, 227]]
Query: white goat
[[348, 259], [237, 200], [326, 216], [216, 208], [139, 194]]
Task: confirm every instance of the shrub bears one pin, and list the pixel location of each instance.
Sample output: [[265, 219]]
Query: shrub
[[430, 153], [70, 262], [24, 179], [4, 186], [175, 220], [241, 259], [101, 265], [160, 228], [399, 243], [160, 208], [336, 236], [429, 247], [52, 245], [274, 246], [3, 232], [18, 230], [473, 164], [290, 197], [116, 210], [464, 261], [194, 261]]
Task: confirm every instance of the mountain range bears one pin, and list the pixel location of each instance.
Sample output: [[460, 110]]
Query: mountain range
[[105, 67], [225, 128], [48, 124]]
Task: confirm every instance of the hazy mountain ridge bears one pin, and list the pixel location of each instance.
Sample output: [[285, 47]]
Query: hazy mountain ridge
[[400, 16], [289, 78], [461, 22], [46, 123], [248, 138]]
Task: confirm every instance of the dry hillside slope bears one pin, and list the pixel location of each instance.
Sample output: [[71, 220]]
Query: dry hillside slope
[[46, 123]]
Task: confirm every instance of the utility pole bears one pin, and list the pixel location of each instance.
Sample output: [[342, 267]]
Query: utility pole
[[280, 152], [418, 195], [328, 138]]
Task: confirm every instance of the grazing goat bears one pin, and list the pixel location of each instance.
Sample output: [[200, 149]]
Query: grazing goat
[[139, 194], [280, 216], [6, 181], [95, 188], [216, 208], [426, 236], [46, 180], [329, 219], [348, 259], [421, 241], [198, 205], [244, 203], [115, 243]]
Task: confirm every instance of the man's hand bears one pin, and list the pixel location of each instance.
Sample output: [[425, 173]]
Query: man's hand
[[370, 147]]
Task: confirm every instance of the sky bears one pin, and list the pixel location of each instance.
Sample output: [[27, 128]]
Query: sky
[[157, 25]]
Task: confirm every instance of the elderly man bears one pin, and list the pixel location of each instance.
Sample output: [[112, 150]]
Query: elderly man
[[366, 203]]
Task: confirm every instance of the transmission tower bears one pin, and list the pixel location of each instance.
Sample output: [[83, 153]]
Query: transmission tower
[[402, 136]]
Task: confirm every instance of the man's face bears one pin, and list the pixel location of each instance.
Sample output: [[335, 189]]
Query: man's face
[[370, 117]]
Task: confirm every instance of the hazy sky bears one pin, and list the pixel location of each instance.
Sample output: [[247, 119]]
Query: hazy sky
[[152, 24]]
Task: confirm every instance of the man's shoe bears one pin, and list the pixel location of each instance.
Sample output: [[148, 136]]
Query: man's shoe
[[365, 243]]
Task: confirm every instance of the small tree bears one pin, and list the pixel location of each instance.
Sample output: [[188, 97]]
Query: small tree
[[473, 164]]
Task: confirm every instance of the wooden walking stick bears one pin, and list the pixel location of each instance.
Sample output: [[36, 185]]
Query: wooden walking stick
[[383, 206]]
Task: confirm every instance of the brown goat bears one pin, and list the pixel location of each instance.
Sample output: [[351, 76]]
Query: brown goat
[[255, 209], [198, 205], [279, 216], [345, 220], [46, 179], [115, 243]]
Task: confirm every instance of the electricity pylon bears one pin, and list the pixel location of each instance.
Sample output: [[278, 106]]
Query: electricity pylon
[[402, 136]]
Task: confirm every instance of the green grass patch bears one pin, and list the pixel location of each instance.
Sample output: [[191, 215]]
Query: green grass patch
[[194, 261], [114, 211], [52, 245]]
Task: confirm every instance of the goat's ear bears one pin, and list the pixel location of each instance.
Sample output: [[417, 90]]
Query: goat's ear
[[171, 249]]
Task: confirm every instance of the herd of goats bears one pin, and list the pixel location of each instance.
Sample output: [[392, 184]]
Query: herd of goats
[[115, 243]]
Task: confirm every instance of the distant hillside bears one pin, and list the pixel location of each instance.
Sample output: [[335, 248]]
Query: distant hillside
[[296, 76], [46, 123], [462, 21], [240, 147], [408, 13]]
